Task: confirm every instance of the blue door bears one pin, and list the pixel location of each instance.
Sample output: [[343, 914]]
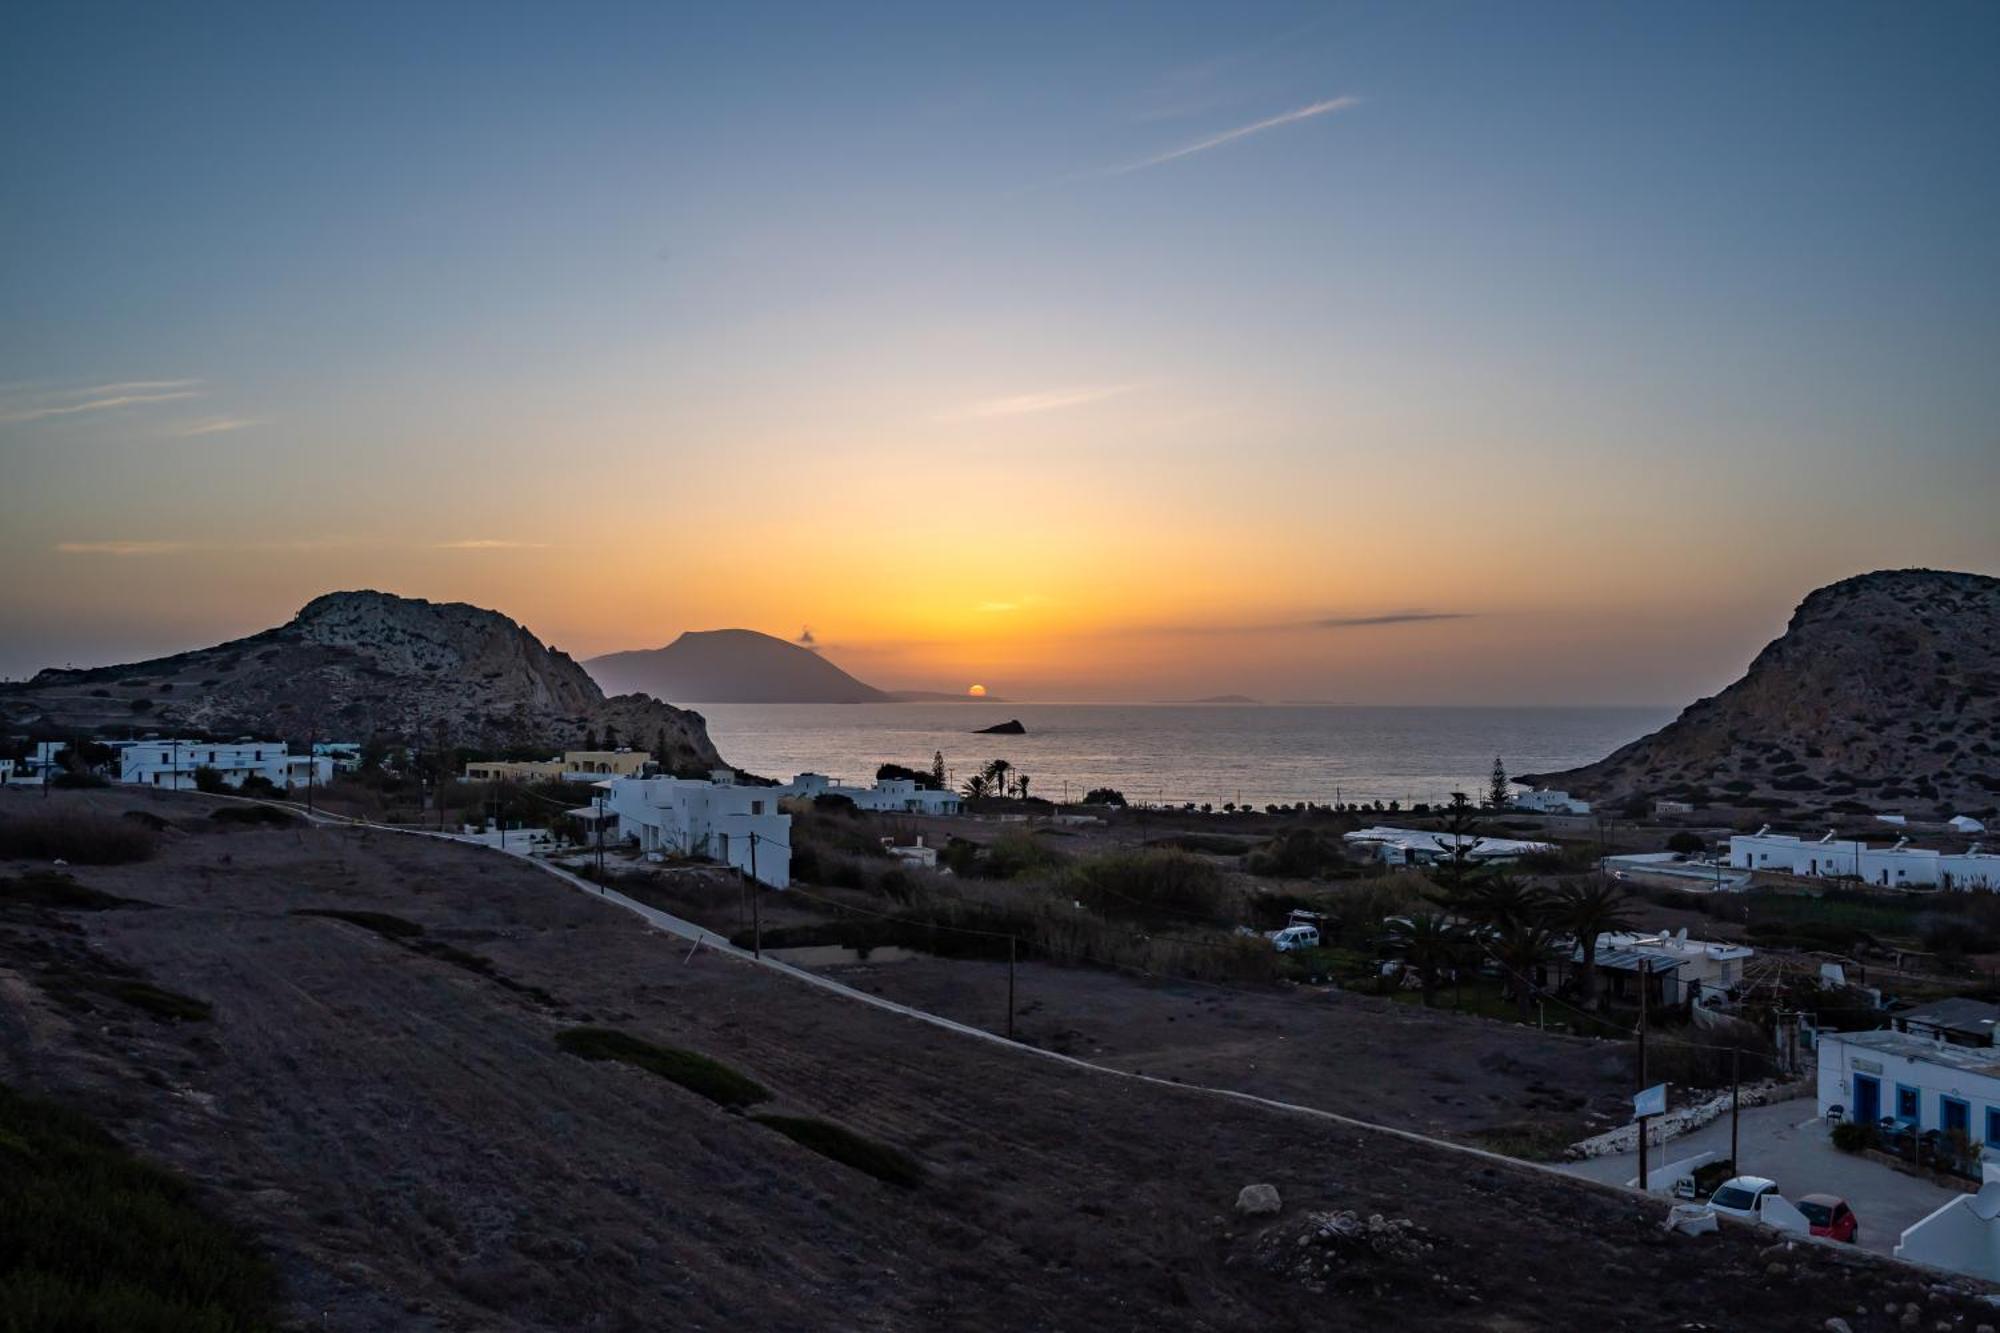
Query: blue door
[[1867, 1099]]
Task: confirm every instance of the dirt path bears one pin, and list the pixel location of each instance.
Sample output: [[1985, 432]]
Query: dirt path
[[419, 1154]]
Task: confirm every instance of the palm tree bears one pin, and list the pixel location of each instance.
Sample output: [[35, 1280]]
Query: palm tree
[[976, 787], [1586, 909], [1021, 786], [1430, 944], [1522, 948], [1503, 902], [996, 776]]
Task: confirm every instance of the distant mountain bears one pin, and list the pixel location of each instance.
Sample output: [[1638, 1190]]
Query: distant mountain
[[360, 665], [1883, 694], [732, 666], [1223, 699]]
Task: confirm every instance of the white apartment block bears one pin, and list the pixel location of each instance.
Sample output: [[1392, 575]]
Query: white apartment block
[[1544, 802], [887, 796], [738, 826], [1900, 866], [173, 763]]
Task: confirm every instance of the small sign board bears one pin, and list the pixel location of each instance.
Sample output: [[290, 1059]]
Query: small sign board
[[1652, 1101]]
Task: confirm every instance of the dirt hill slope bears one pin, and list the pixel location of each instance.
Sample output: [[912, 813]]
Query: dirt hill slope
[[392, 1115], [1883, 693], [354, 665]]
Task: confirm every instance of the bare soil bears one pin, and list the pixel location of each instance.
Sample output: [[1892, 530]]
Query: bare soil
[[402, 1130]]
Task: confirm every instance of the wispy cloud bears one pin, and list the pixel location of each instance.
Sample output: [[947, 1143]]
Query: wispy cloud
[[214, 426], [102, 397], [1026, 404], [488, 544], [1293, 117], [1391, 618], [124, 548]]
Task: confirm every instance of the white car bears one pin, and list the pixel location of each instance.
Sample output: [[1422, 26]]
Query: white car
[[1744, 1196], [1295, 937]]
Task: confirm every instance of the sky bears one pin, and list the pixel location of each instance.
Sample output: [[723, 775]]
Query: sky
[[1381, 353]]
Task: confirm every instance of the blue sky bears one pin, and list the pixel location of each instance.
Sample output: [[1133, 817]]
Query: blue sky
[[1611, 330]]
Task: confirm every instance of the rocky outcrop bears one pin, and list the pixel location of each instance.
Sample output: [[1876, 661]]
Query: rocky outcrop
[[360, 665], [1883, 695]]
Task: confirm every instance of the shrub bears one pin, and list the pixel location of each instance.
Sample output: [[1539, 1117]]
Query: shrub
[[1104, 796], [1013, 855], [389, 927], [1687, 844], [890, 1165], [78, 779], [82, 839], [142, 705], [1149, 884], [94, 1238], [256, 784], [209, 780], [52, 888], [252, 815], [697, 1073], [1853, 1136], [1297, 854]]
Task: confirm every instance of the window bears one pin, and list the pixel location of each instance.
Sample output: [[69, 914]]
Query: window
[[1993, 1126], [1908, 1104], [756, 807]]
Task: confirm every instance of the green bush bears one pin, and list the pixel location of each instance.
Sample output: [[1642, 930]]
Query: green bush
[[209, 780], [77, 779], [1150, 884], [1297, 854], [253, 816], [93, 1238], [890, 1165], [697, 1073], [1853, 1136]]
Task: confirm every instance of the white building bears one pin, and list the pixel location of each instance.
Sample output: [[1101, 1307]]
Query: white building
[[1418, 847], [1965, 824], [1916, 1081], [1673, 807], [1699, 963], [738, 826], [888, 796], [173, 763], [1896, 867], [6, 771], [344, 755], [1545, 802]]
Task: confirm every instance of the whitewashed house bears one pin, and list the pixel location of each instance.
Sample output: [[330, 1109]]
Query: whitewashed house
[[1920, 1082], [738, 826], [1547, 802], [888, 795], [1900, 866], [172, 763]]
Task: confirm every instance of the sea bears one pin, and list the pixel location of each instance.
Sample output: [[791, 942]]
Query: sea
[[1259, 754]]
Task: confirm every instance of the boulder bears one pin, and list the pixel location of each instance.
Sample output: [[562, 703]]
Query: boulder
[[1258, 1200]]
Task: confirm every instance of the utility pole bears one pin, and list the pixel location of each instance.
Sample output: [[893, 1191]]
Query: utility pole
[[756, 912], [441, 762], [1012, 942], [312, 766], [1735, 1100], [1645, 975], [599, 822]]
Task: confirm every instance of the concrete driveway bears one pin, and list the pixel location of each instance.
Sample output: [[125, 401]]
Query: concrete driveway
[[1791, 1145]]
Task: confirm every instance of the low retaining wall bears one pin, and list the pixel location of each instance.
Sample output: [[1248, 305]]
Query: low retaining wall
[[1679, 1121]]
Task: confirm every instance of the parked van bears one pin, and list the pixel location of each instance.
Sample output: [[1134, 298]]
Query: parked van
[[1295, 937]]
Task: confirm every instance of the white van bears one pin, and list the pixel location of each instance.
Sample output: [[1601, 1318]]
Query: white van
[[1295, 937]]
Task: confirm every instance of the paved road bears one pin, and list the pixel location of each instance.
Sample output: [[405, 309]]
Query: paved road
[[1790, 1144]]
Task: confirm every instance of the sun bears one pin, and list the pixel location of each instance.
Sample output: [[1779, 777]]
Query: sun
[[976, 691]]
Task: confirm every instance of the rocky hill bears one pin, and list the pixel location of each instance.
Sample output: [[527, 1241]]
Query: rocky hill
[[732, 666], [356, 665], [1883, 695]]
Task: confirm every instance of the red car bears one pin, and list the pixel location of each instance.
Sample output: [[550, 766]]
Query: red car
[[1830, 1217]]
